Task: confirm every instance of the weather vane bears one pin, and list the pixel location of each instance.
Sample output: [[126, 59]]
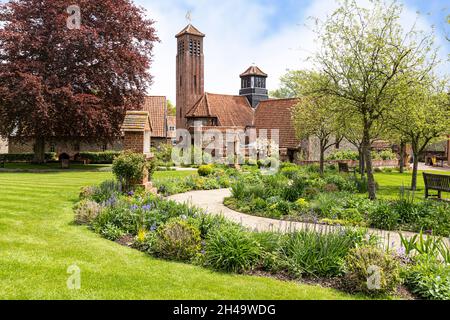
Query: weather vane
[[189, 16]]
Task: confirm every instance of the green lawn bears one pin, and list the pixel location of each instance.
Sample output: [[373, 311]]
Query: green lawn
[[38, 242], [391, 183], [56, 166]]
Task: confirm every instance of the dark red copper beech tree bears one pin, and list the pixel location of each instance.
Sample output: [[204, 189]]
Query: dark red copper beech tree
[[70, 78]]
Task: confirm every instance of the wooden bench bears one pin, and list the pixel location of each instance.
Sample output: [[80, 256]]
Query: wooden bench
[[344, 168], [437, 182]]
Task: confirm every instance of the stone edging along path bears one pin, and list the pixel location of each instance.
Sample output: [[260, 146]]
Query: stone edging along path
[[212, 202]]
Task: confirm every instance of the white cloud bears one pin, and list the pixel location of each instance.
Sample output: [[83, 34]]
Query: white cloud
[[238, 33]]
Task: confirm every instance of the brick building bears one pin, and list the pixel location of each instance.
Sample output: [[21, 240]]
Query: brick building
[[155, 106], [251, 108]]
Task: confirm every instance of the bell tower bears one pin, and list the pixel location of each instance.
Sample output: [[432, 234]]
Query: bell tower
[[190, 71], [253, 85]]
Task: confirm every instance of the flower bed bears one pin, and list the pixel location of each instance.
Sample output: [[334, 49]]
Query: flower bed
[[301, 194], [181, 232], [210, 177]]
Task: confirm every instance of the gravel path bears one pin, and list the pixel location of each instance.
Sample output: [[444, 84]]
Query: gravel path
[[212, 202]]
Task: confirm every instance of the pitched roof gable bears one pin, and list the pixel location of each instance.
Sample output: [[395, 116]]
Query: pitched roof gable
[[230, 111], [156, 106], [277, 114], [137, 121]]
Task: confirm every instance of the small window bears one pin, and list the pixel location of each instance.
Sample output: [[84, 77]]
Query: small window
[[195, 82], [191, 47], [181, 81], [52, 148]]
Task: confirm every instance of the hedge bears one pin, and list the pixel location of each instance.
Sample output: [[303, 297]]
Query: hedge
[[27, 157], [105, 157]]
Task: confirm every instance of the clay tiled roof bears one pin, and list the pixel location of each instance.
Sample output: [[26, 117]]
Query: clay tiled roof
[[230, 111], [276, 114], [253, 71], [190, 29], [136, 121], [156, 108]]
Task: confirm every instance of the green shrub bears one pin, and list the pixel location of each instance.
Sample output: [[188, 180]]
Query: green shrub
[[106, 157], [289, 171], [259, 204], [429, 279], [372, 271], [205, 170], [284, 207], [328, 204], [407, 210], [119, 216], [170, 186], [433, 217], [231, 249], [86, 211], [177, 240], [343, 183], [111, 232], [163, 155], [271, 258], [293, 189], [382, 216], [208, 222], [129, 168], [28, 157], [317, 253], [388, 155], [344, 155], [106, 190]]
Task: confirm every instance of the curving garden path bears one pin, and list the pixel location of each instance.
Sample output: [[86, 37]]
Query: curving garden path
[[212, 202]]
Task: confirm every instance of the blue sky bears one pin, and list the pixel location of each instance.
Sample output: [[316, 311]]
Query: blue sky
[[270, 33]]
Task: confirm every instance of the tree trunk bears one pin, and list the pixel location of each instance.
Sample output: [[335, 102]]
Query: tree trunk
[[401, 163], [322, 160], [415, 171], [39, 151], [368, 158], [362, 166]]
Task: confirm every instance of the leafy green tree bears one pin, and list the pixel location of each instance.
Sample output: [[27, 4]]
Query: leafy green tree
[[421, 116], [313, 116], [171, 108], [289, 85], [366, 53]]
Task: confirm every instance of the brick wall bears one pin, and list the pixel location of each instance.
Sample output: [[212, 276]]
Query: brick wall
[[353, 163], [134, 141]]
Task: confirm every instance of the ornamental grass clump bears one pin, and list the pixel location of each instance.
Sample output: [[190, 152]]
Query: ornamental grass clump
[[231, 249], [318, 253], [86, 211]]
